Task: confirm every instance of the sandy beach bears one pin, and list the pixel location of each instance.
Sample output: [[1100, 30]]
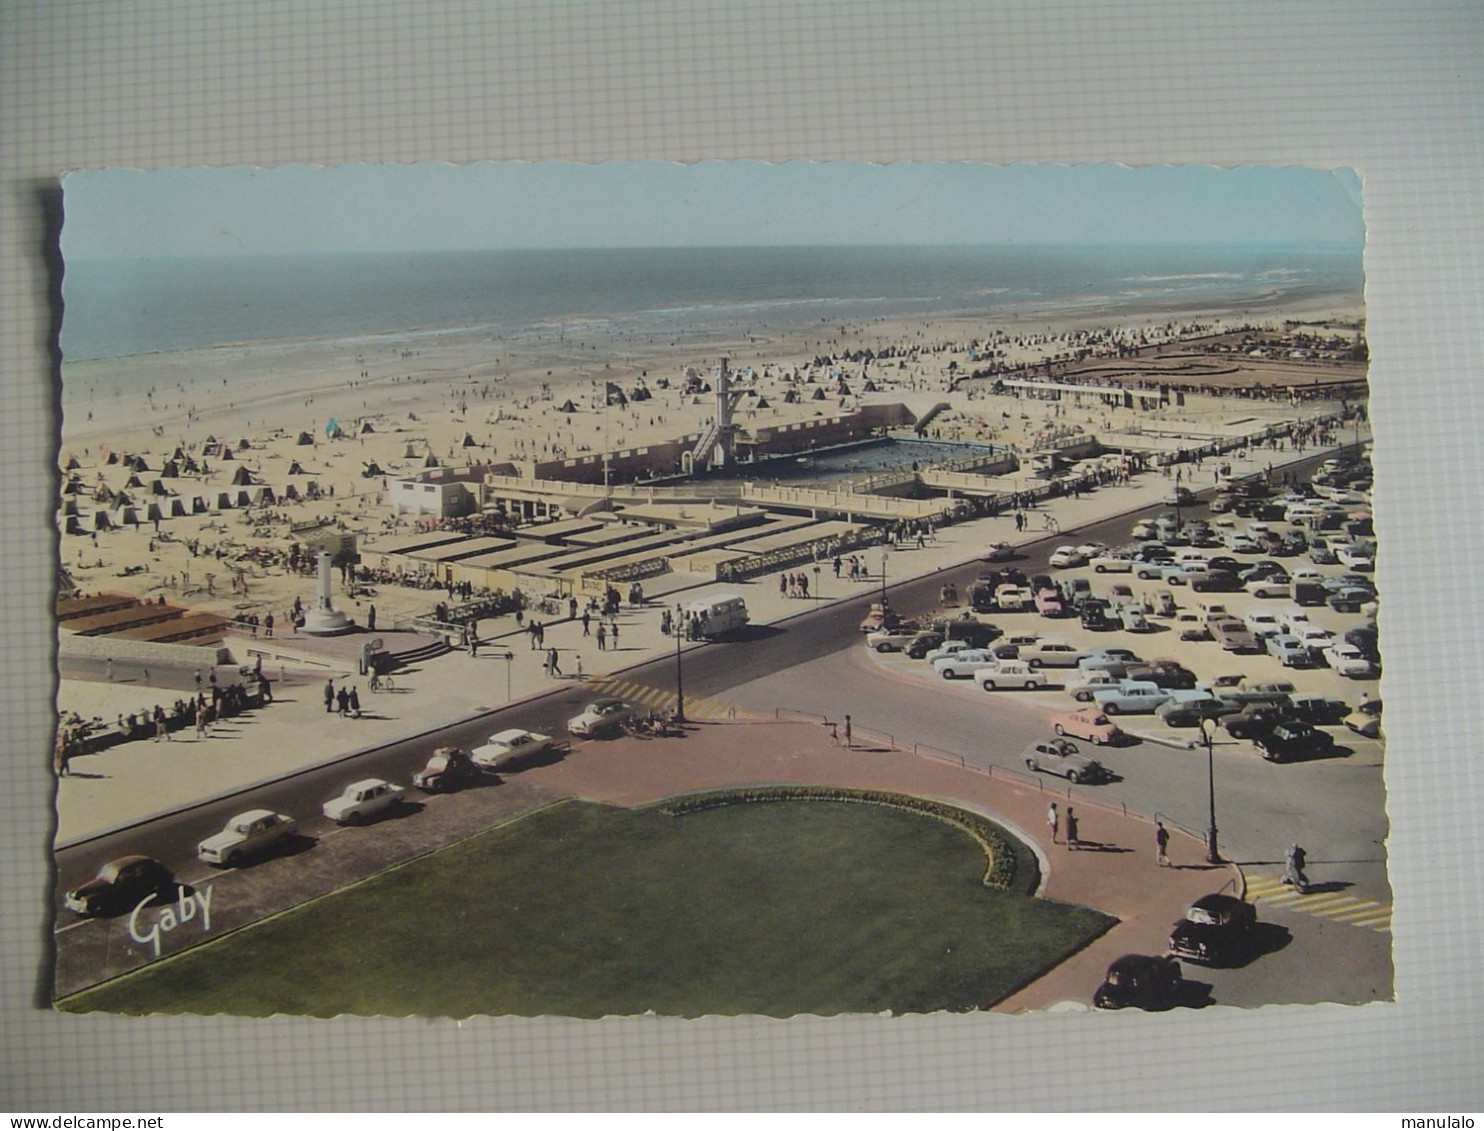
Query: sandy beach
[[461, 399]]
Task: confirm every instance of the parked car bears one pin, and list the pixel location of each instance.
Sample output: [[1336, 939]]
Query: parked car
[[1188, 708], [1290, 651], [1133, 619], [1216, 930], [1269, 587], [1080, 684], [1049, 603], [1253, 720], [1321, 553], [448, 769], [892, 639], [1051, 654], [922, 644], [1192, 627], [1350, 600], [510, 747], [1366, 639], [880, 616], [358, 802], [1164, 604], [1130, 697], [999, 552], [1233, 635], [1290, 738], [1066, 557], [1365, 720], [1075, 590], [1009, 648], [247, 834], [1319, 710], [949, 648], [1059, 756], [963, 664], [1108, 659], [1094, 615], [1010, 673], [602, 716], [1088, 724], [1167, 674], [1262, 624], [1112, 563], [1356, 557], [120, 885], [1140, 981]]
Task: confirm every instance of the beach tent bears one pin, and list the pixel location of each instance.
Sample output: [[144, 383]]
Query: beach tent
[[73, 487], [153, 513], [223, 501], [372, 470], [227, 453], [178, 508], [98, 520], [134, 481], [291, 492], [468, 441], [265, 495], [170, 470], [332, 429], [791, 397], [125, 516], [366, 427], [73, 525], [567, 406], [138, 464], [411, 452], [430, 460], [295, 469], [639, 393], [818, 395], [69, 506], [72, 464], [762, 402], [842, 389], [243, 445], [199, 504], [304, 439], [242, 498], [615, 395], [113, 458], [190, 465], [178, 454], [243, 478], [870, 387], [157, 487]]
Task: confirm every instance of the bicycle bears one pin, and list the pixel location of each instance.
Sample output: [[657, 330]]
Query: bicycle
[[382, 682]]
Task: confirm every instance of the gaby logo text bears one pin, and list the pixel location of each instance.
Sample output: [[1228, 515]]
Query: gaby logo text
[[182, 911]]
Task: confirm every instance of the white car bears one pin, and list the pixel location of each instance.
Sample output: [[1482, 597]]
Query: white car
[[1357, 558], [1269, 587], [1009, 673], [1112, 563], [509, 746], [1050, 654], [1314, 636], [1262, 625], [362, 800], [602, 716], [1347, 660], [246, 834], [948, 648], [1066, 557], [1291, 618], [963, 664], [1092, 549]]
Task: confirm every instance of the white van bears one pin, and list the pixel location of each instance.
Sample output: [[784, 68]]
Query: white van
[[716, 614]]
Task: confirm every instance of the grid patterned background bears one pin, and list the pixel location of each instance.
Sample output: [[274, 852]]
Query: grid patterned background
[[1393, 90]]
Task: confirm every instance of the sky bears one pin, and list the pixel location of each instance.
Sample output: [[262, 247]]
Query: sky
[[297, 209]]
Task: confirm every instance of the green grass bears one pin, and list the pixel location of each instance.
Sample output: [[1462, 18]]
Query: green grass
[[583, 910]]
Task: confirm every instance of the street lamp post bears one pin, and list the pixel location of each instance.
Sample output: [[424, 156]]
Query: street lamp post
[[883, 578], [679, 685], [816, 581], [1213, 855]]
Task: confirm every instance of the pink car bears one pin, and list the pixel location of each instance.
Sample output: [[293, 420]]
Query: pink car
[[1089, 724], [1049, 603]]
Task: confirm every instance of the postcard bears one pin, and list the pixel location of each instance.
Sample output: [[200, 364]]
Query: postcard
[[547, 589]]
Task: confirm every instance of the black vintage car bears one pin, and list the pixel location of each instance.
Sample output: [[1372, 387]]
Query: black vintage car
[[1140, 981], [1288, 739], [120, 885], [1216, 930]]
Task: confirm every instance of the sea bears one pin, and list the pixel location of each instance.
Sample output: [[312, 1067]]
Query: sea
[[123, 307]]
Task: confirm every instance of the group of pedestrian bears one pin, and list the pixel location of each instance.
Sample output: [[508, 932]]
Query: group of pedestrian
[[344, 701], [793, 584], [1053, 822], [537, 633]]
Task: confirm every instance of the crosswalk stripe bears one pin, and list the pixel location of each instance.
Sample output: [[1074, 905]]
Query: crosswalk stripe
[[1342, 908], [655, 699]]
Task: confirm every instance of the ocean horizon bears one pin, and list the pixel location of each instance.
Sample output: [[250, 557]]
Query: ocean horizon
[[117, 308]]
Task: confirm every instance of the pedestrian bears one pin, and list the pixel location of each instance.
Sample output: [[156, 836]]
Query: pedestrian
[[551, 663], [329, 695], [355, 703], [1053, 821], [613, 634], [847, 732], [146, 677], [1072, 841], [587, 620], [198, 679], [1162, 843], [602, 638], [371, 619], [108, 668], [200, 719], [342, 700]]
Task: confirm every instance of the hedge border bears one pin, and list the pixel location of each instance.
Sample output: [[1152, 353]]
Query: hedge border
[[1000, 857]]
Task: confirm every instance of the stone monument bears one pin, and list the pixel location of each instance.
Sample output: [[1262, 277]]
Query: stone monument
[[324, 619]]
